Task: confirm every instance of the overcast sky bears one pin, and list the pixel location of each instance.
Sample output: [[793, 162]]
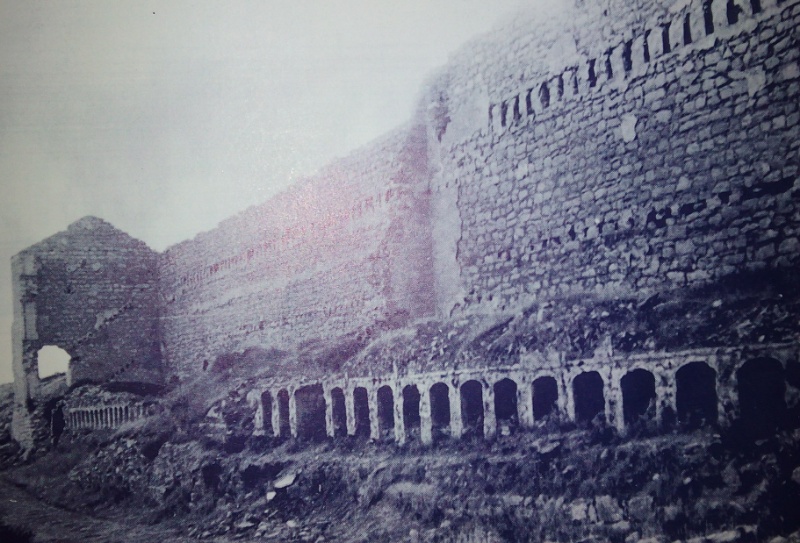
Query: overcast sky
[[166, 117]]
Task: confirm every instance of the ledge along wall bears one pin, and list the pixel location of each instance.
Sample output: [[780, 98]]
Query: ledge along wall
[[665, 157], [339, 253], [91, 291]]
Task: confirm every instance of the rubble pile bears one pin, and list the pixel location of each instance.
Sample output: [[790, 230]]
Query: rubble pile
[[569, 486]]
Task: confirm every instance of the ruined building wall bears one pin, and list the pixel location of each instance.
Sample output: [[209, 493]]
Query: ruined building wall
[[91, 291], [663, 157], [342, 251]]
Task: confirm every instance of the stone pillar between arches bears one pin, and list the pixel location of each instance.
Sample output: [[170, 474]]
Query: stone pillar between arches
[[456, 422], [489, 418], [666, 395], [328, 397], [566, 401], [398, 403], [350, 410], [292, 413], [525, 403], [374, 422], [612, 395], [254, 402], [275, 421]]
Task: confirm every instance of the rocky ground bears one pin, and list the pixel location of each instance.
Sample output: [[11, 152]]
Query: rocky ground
[[572, 485]]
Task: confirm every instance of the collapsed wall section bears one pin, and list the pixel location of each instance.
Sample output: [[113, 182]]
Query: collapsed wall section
[[91, 291], [336, 255], [668, 159]]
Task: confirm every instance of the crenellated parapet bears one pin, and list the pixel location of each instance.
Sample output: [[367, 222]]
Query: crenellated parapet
[[695, 23], [667, 160]]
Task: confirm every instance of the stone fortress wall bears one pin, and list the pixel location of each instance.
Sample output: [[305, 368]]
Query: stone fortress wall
[[667, 156], [659, 152], [334, 255]]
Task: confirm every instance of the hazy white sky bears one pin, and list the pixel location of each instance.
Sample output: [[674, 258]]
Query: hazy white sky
[[166, 117]]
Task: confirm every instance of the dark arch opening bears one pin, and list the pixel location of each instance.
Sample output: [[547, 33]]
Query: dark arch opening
[[762, 391], [638, 397], [411, 418], [338, 413], [266, 409], [361, 411], [284, 427], [505, 406], [440, 411], [696, 395], [385, 412], [472, 408], [545, 396], [310, 401], [589, 401]]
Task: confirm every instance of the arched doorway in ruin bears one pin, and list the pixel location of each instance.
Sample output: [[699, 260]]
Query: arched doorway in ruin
[[587, 389], [440, 411], [761, 387], [51, 361], [638, 397], [696, 395], [411, 419], [284, 425], [545, 397], [361, 411], [505, 406], [310, 402], [472, 408], [266, 409], [385, 412], [338, 412]]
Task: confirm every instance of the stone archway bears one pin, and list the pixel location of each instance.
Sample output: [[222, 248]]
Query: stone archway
[[761, 386], [472, 408], [440, 410], [338, 412], [266, 409], [284, 424], [696, 395], [385, 412], [361, 412], [310, 402], [545, 397], [411, 418], [505, 406], [638, 397], [587, 389]]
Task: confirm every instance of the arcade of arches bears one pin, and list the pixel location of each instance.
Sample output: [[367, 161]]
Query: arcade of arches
[[426, 407], [659, 392]]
